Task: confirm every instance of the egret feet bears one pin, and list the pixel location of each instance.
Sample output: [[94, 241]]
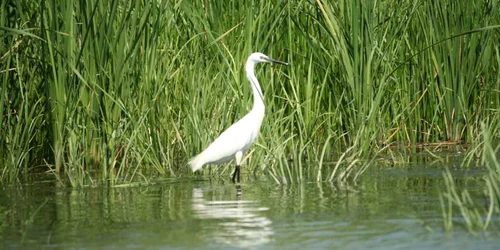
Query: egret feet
[[236, 174]]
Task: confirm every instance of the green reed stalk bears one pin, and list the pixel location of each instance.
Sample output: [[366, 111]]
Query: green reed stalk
[[476, 217]]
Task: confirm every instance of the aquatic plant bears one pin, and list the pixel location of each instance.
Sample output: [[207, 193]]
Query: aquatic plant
[[458, 206], [115, 91]]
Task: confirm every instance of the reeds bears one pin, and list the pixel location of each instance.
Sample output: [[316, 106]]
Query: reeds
[[458, 205], [117, 91]]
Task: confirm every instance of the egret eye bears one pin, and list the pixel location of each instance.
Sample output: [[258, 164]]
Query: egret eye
[[263, 58]]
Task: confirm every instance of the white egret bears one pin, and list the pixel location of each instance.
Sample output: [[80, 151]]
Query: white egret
[[238, 138]]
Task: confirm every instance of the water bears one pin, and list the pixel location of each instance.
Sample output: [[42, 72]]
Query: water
[[391, 208]]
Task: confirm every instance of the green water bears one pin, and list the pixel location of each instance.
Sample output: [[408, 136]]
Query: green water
[[390, 208]]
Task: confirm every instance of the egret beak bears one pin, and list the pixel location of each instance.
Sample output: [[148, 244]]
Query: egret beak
[[269, 59]]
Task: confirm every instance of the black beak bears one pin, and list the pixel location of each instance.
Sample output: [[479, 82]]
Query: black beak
[[269, 59]]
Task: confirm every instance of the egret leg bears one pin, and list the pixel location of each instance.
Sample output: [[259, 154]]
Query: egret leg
[[236, 174], [238, 156]]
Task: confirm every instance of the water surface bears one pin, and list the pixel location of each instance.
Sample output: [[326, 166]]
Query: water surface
[[391, 208]]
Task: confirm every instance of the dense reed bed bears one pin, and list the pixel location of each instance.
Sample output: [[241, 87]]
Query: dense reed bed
[[116, 91]]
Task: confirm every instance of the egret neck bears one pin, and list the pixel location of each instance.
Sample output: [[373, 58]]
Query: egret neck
[[258, 98]]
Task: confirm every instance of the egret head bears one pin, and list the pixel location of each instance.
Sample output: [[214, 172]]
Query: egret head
[[258, 57]]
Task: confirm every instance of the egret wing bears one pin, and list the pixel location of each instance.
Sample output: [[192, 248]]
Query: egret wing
[[235, 138]]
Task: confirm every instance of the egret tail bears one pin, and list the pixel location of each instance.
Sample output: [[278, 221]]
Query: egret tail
[[195, 163]]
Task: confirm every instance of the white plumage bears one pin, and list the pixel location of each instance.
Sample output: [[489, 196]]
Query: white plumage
[[238, 138]]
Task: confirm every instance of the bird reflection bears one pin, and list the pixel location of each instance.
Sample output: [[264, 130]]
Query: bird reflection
[[239, 192], [237, 223]]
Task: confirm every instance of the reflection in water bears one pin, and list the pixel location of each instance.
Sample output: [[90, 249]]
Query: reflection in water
[[239, 223], [395, 208]]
